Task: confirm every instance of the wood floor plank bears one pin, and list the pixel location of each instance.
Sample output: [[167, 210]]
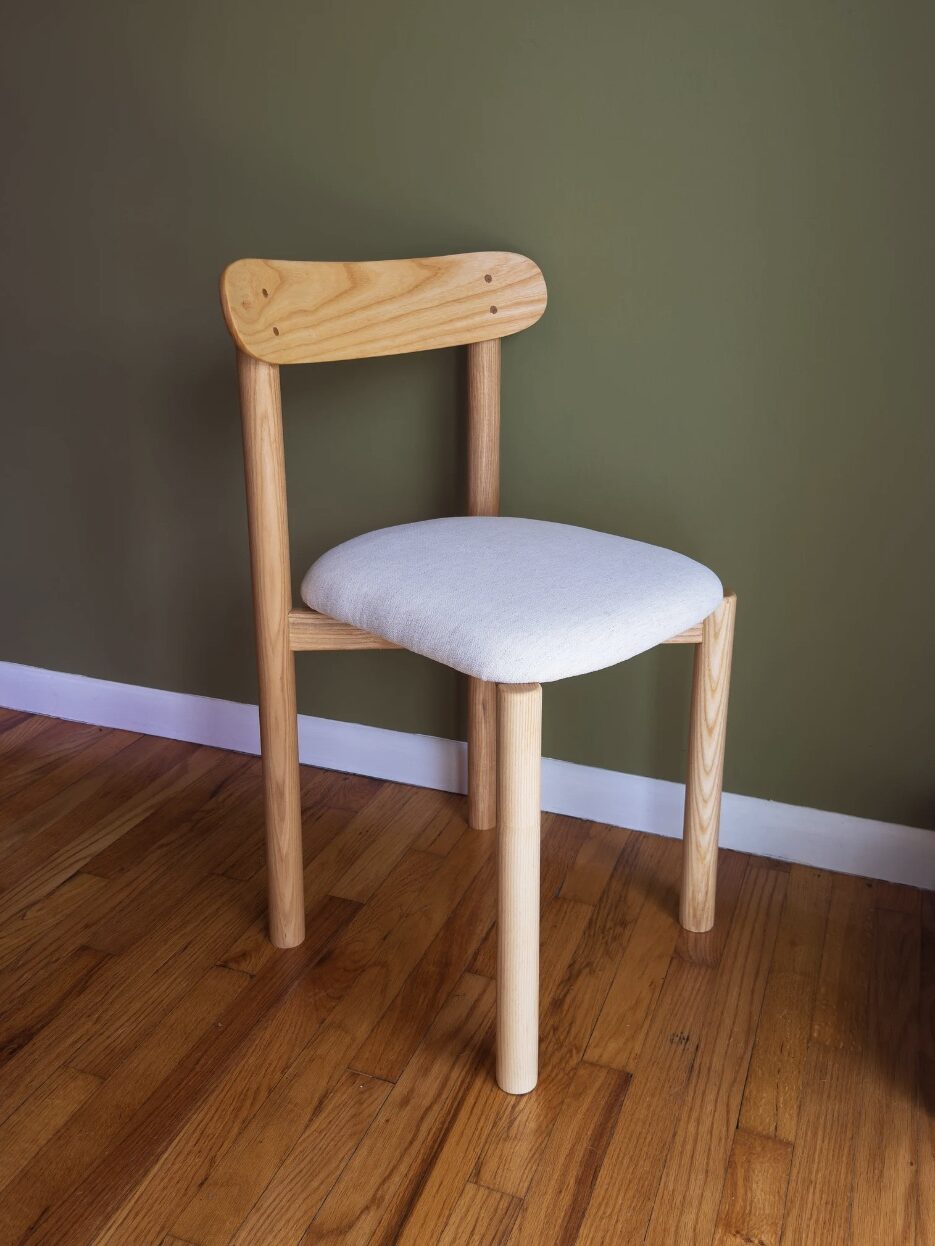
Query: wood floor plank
[[594, 863], [331, 863], [18, 735], [182, 851], [481, 1217], [40, 924], [774, 1084], [514, 1151], [389, 838], [371, 1198], [707, 948], [24, 1015], [925, 1220], [95, 1205], [689, 1194], [302, 1182], [621, 1028], [180, 857], [841, 998], [72, 1152], [143, 897], [63, 847], [819, 1201], [625, 1190], [564, 1180], [168, 1078], [389, 1047], [57, 754], [114, 786], [351, 986], [896, 896], [30, 811], [484, 1109], [24, 1133], [326, 795], [176, 810], [446, 825], [885, 1192], [110, 1018], [193, 937], [754, 1197], [9, 718]]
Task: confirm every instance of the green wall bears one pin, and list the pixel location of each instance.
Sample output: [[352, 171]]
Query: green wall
[[733, 204]]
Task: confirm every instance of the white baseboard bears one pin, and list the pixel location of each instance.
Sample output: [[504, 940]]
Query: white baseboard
[[835, 841]]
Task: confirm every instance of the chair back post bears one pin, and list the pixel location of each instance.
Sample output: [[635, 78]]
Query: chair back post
[[265, 472], [483, 497], [483, 469]]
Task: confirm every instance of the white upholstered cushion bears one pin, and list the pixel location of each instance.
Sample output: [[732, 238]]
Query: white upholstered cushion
[[512, 600]]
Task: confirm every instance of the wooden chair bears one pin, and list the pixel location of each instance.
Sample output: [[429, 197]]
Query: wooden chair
[[617, 597]]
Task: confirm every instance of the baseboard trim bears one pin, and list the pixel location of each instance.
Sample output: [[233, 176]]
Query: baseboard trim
[[835, 841]]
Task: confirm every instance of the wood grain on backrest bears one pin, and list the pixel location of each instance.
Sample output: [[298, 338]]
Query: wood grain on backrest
[[291, 311]]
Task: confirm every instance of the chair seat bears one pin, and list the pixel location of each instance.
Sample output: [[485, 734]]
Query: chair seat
[[512, 600]]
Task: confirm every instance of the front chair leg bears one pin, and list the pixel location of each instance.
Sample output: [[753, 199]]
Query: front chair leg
[[710, 689], [519, 713]]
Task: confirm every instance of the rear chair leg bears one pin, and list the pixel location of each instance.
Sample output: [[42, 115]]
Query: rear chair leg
[[279, 741], [710, 689], [520, 763], [264, 466]]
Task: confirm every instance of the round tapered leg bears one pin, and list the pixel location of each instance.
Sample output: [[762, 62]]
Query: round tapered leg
[[272, 595], [710, 688], [520, 763]]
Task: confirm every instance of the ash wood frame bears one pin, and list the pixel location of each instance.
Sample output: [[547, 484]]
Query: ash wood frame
[[396, 307]]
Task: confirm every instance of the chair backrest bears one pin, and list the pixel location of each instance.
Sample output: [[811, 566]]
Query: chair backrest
[[283, 311], [289, 311]]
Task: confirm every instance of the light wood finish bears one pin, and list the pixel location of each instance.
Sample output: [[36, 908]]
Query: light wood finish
[[483, 498], [296, 311], [707, 734], [482, 754], [483, 459], [301, 312], [345, 1092], [264, 460], [518, 784], [312, 632], [691, 636]]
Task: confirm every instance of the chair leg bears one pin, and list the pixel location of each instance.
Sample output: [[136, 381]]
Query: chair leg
[[710, 689], [279, 739], [482, 755], [519, 767]]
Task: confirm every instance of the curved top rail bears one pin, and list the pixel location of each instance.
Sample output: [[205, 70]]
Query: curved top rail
[[294, 311]]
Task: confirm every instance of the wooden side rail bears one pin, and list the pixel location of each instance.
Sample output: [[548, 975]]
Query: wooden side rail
[[690, 637], [310, 631]]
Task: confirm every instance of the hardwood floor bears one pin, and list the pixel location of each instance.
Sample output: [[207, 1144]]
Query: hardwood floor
[[167, 1078]]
